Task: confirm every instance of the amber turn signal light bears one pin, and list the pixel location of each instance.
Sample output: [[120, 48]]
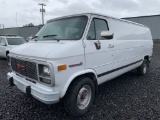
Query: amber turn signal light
[[62, 67]]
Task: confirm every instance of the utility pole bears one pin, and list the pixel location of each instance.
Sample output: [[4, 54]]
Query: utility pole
[[16, 19], [42, 10]]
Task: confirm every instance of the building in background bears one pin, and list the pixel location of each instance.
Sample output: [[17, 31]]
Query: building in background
[[21, 31], [153, 22]]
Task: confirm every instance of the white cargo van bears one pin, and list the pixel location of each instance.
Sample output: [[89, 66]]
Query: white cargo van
[[70, 56]]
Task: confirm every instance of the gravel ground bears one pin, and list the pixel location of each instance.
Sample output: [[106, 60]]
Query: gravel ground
[[128, 97]]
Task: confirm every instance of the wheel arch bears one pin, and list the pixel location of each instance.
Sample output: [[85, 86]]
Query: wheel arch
[[86, 73]]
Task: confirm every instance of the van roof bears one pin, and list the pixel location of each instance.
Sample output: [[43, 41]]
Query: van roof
[[99, 15]]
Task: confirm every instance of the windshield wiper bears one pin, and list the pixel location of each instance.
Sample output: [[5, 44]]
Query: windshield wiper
[[34, 37], [49, 36]]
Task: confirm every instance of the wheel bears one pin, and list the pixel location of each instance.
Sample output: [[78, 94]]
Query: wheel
[[80, 97], [142, 70], [7, 57]]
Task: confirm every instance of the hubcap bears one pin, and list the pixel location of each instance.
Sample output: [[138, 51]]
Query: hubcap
[[84, 97]]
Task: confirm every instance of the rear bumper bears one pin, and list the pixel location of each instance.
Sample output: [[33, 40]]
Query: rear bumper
[[44, 95]]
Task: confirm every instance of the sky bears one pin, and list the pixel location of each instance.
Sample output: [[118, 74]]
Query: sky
[[16, 13]]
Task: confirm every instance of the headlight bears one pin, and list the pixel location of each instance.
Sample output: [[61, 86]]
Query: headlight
[[46, 70], [44, 74]]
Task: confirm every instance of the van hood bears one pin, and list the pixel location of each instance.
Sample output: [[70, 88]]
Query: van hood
[[47, 50]]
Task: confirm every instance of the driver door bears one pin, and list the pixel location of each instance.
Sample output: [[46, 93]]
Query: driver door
[[99, 51]]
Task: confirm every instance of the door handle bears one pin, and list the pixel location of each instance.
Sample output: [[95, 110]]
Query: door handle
[[111, 46], [98, 45]]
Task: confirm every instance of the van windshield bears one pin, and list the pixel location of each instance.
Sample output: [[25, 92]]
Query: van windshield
[[63, 29]]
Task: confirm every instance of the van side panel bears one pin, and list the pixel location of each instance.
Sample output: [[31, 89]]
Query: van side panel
[[131, 43]]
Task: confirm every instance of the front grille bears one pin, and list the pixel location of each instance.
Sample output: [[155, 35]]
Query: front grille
[[29, 68]]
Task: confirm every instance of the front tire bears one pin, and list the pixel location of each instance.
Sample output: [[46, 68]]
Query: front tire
[[7, 57], [142, 70], [80, 97]]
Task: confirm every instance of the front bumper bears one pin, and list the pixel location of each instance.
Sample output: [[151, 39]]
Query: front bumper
[[44, 95]]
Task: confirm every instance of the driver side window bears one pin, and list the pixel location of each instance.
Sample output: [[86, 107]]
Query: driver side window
[[96, 27]]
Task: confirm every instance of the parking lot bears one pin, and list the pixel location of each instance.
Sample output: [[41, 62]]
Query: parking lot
[[126, 97]]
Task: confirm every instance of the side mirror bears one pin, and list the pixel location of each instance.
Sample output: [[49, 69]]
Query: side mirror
[[107, 35], [2, 44]]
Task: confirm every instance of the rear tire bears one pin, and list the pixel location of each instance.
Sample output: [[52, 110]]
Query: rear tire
[[142, 70], [80, 97]]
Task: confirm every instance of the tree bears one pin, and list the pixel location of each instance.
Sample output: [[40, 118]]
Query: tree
[[29, 25]]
